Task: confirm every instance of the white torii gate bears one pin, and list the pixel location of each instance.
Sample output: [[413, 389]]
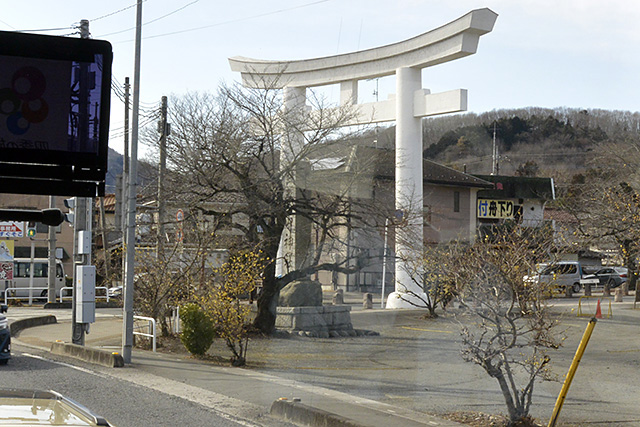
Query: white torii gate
[[411, 103]]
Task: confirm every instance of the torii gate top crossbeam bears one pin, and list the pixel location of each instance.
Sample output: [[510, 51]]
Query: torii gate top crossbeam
[[454, 40]]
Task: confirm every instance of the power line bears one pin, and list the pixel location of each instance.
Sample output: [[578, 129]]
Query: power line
[[46, 29], [147, 122], [116, 12], [116, 88], [152, 21], [232, 21], [171, 13], [7, 24]]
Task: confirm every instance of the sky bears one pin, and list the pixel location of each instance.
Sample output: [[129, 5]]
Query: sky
[[541, 53]]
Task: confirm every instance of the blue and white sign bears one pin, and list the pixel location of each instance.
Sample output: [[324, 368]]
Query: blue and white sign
[[12, 229]]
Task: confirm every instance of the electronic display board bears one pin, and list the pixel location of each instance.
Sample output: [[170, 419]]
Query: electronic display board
[[54, 114]]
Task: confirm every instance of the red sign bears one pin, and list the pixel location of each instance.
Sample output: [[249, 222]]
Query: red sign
[[6, 271]]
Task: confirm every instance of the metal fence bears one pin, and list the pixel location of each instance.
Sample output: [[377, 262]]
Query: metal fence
[[36, 293], [150, 326], [69, 289]]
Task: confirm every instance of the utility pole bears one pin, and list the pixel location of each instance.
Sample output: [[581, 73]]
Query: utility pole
[[51, 275], [118, 208], [125, 165], [125, 178], [82, 257], [105, 248], [83, 205], [163, 128], [127, 325]]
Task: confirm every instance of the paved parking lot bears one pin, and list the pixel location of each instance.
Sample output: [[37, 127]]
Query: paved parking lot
[[415, 364]]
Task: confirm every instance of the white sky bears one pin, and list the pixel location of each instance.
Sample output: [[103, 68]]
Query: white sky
[[542, 53]]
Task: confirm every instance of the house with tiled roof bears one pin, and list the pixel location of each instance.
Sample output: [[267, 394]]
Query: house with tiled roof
[[514, 198], [450, 200]]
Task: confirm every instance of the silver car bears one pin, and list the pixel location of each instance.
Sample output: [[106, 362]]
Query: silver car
[[612, 276]]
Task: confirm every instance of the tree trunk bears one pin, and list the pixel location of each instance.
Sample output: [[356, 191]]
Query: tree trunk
[[265, 320], [631, 268], [514, 412]]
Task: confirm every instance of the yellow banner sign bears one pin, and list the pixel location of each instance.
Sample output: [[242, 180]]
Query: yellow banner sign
[[495, 209]]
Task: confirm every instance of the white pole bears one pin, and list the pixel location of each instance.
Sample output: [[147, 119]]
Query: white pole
[[33, 249], [127, 325], [52, 270], [384, 262]]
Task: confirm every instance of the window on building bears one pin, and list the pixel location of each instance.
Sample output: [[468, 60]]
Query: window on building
[[456, 201]]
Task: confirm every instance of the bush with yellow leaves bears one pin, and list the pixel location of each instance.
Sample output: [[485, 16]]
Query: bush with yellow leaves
[[224, 301]]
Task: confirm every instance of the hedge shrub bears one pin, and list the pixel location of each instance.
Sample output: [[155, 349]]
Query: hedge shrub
[[198, 330]]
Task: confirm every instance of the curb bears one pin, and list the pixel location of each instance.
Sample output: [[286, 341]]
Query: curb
[[299, 413], [88, 354], [19, 325]]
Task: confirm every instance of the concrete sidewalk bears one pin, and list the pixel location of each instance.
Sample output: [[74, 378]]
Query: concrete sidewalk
[[242, 392]]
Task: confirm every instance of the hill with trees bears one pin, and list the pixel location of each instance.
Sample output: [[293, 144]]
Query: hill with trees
[[560, 143]]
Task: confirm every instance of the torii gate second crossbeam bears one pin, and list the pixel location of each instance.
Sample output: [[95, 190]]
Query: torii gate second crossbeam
[[406, 60]]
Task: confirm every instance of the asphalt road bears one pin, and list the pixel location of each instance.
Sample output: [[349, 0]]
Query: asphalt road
[[414, 364], [121, 402]]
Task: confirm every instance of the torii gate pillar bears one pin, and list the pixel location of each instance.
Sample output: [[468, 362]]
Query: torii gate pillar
[[409, 192], [406, 60]]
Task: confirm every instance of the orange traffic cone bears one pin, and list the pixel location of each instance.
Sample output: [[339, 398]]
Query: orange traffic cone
[[598, 311]]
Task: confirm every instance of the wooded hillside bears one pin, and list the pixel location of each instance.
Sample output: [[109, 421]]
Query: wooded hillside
[[559, 143]]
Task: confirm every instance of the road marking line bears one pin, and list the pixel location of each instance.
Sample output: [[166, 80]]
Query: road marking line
[[170, 390], [312, 368], [426, 330]]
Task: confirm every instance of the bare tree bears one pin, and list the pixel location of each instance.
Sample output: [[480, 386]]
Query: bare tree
[[606, 203], [167, 279], [234, 153], [509, 330], [432, 271]]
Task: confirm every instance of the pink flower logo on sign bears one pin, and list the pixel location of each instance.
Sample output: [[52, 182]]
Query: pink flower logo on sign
[[22, 103]]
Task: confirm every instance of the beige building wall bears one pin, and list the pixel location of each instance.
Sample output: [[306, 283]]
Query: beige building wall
[[449, 213]]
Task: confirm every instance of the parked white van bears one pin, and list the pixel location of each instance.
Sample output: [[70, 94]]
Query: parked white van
[[19, 286], [560, 274]]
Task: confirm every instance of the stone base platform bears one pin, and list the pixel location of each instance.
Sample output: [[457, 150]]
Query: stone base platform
[[322, 321]]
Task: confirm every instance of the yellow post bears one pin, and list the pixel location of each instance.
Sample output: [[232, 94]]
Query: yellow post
[[572, 371]]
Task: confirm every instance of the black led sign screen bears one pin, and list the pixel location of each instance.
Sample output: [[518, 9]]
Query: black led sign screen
[[54, 114]]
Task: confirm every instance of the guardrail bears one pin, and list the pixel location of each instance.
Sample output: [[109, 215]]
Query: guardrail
[[152, 329], [37, 293], [34, 294], [70, 296], [600, 298]]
